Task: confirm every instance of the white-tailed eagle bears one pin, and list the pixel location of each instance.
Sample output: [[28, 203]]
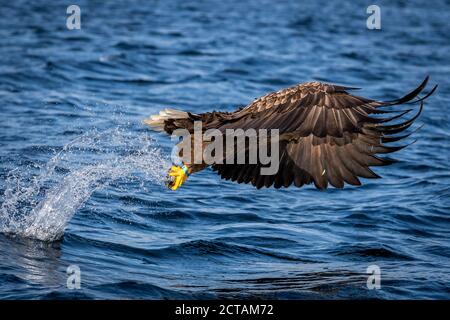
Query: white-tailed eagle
[[327, 136]]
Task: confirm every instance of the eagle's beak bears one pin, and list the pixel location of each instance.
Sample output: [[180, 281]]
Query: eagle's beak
[[176, 177]]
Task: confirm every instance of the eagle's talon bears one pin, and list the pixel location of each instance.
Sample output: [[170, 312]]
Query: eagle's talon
[[176, 177]]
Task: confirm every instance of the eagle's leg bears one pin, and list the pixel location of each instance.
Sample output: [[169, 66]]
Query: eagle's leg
[[178, 175]]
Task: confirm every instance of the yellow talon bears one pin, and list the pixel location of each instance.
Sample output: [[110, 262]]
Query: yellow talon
[[176, 177]]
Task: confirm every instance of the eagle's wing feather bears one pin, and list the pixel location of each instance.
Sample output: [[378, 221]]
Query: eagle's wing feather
[[327, 136]]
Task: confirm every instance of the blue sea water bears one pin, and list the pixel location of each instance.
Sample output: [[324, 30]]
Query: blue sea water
[[81, 178]]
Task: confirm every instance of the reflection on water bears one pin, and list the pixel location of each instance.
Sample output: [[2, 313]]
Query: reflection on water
[[36, 262]]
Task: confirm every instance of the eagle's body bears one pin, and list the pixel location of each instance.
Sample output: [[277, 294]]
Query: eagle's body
[[327, 136]]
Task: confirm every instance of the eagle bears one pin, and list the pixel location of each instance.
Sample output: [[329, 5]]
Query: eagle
[[325, 135]]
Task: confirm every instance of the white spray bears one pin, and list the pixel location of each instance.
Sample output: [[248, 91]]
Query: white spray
[[42, 206]]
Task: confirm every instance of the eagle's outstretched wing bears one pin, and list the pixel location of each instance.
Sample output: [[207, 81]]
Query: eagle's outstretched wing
[[327, 136]]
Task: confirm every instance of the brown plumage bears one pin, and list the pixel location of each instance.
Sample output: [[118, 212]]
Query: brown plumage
[[327, 135]]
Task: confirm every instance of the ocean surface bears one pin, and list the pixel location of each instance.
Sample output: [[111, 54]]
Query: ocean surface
[[82, 179]]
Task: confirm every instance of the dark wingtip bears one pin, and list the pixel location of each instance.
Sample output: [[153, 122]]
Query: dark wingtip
[[411, 95], [352, 88], [401, 114], [426, 96], [389, 139], [386, 161], [399, 127], [338, 88]]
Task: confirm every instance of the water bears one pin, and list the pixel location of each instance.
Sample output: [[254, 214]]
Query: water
[[81, 179], [121, 154]]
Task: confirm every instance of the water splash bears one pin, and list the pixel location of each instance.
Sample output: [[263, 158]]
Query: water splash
[[40, 205]]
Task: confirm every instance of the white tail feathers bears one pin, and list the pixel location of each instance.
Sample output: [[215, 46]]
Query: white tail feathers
[[156, 122]]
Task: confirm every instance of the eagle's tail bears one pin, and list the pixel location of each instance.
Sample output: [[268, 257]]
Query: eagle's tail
[[157, 121]]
